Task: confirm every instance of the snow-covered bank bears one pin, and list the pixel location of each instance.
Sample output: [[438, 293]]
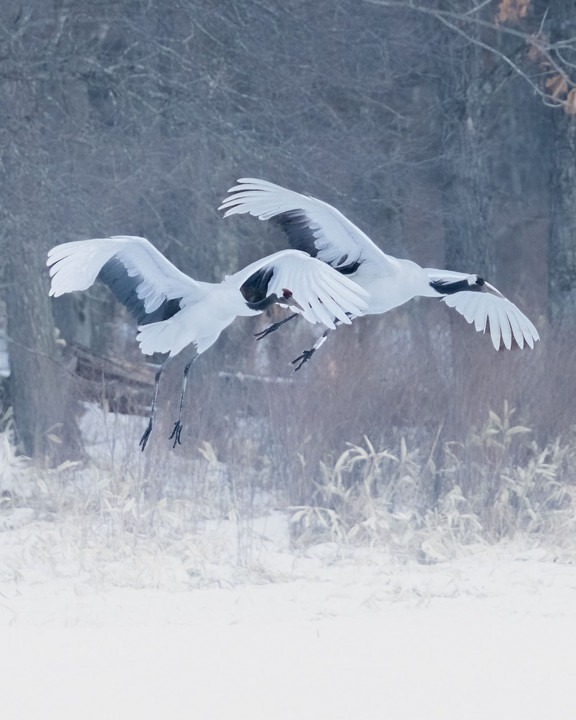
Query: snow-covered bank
[[452, 660], [117, 604], [482, 637]]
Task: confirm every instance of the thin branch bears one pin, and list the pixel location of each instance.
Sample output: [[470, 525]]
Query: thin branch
[[477, 8], [549, 52], [450, 15]]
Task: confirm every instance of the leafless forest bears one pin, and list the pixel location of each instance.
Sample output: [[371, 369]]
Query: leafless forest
[[444, 129]]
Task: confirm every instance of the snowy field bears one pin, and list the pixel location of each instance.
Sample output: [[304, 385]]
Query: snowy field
[[100, 626], [493, 635]]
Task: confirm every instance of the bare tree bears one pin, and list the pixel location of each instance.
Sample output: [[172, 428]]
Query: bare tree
[[562, 245], [398, 113], [44, 407]]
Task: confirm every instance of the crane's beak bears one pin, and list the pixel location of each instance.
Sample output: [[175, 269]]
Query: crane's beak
[[287, 300]]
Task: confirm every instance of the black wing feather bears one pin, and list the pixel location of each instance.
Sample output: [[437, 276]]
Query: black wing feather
[[255, 289], [296, 225], [124, 288]]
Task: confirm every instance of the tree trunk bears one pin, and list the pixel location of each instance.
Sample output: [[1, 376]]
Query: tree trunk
[[40, 385], [562, 238], [467, 213], [467, 192], [562, 246]]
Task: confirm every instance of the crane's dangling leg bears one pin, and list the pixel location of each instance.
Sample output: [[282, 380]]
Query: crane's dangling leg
[[176, 432], [307, 354], [144, 438], [274, 326]]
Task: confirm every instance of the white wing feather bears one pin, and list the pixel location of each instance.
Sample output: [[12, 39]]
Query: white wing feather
[[321, 293], [488, 307], [504, 318], [75, 266], [337, 241]]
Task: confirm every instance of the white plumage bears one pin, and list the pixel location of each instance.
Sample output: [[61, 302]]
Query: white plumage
[[174, 311], [321, 230]]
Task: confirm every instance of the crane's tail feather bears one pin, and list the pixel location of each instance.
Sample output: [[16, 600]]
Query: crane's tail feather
[[193, 325]]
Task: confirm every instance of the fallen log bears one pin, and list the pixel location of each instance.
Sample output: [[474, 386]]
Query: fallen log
[[125, 386]]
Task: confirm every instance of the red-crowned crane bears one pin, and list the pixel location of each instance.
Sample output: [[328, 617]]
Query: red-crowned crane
[[322, 231], [174, 311]]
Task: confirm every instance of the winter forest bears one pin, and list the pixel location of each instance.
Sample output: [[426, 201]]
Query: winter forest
[[407, 463]]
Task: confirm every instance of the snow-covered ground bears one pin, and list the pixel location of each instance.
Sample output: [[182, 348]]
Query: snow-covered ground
[[329, 636], [224, 619]]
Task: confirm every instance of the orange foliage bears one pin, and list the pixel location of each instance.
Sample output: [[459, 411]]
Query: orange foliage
[[557, 86], [536, 42], [570, 107], [512, 10]]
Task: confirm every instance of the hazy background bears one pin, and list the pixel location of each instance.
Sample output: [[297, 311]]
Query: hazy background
[[446, 132]]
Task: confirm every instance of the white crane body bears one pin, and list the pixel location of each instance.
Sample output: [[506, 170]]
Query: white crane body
[[325, 233], [174, 311]]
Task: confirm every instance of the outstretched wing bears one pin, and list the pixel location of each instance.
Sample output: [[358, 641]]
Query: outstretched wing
[[311, 225], [482, 304], [303, 283], [140, 277]]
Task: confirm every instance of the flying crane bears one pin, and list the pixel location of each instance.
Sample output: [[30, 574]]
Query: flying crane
[[173, 311], [325, 233]]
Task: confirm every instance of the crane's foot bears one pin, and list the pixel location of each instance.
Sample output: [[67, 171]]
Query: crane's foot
[[144, 438], [301, 359], [267, 331], [176, 432], [273, 327]]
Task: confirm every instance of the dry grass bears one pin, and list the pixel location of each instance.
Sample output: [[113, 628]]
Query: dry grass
[[497, 484], [178, 524], [373, 444]]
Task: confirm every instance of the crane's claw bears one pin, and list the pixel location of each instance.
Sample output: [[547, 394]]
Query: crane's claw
[[301, 359], [273, 327], [267, 331], [176, 432]]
